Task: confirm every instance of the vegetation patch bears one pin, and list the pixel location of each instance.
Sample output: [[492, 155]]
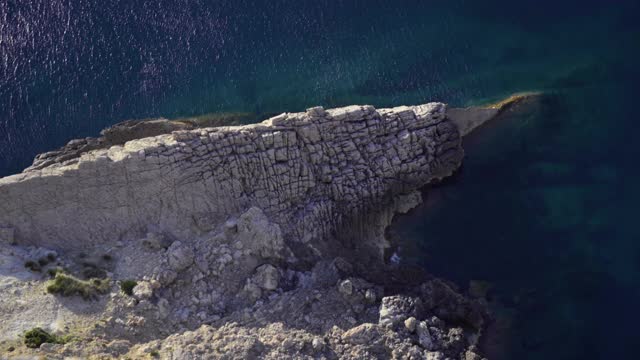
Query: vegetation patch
[[90, 272], [43, 261], [54, 271], [33, 266], [36, 266], [47, 259], [127, 286], [36, 337], [67, 285]]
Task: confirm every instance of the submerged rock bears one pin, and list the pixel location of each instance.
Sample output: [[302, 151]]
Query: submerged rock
[[469, 118]]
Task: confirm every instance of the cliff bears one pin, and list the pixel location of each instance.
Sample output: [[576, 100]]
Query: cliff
[[254, 241], [316, 174]]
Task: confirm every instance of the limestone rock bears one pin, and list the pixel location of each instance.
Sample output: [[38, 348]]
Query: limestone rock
[[143, 290], [180, 256], [435, 355], [424, 336], [187, 182], [346, 287], [362, 334], [410, 324], [296, 190], [447, 304], [166, 276], [267, 277], [257, 232], [253, 291], [370, 296], [396, 309]]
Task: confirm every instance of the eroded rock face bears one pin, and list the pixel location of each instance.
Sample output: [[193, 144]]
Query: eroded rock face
[[239, 235], [122, 132], [316, 175]]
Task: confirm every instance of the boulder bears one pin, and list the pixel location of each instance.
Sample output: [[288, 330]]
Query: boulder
[[180, 256], [267, 277], [256, 232], [362, 334], [345, 287], [424, 336], [143, 290], [410, 324], [396, 309]]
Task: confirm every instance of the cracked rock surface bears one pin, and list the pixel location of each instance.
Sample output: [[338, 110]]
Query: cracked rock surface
[[256, 241], [315, 174]]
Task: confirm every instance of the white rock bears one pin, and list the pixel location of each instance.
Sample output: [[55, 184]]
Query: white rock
[[437, 355], [143, 290], [424, 337], [318, 344], [370, 296], [410, 324], [346, 287]]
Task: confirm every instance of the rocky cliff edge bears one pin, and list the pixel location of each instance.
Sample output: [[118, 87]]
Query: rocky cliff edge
[[257, 241]]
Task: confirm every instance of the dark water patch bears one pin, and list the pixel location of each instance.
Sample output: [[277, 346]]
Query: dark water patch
[[542, 210]]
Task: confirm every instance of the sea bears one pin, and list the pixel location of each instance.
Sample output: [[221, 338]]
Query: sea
[[541, 215]]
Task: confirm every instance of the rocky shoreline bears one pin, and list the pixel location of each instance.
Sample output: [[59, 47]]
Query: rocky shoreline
[[255, 241]]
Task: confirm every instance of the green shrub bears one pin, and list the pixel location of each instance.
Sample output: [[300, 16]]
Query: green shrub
[[90, 272], [54, 271], [36, 337], [43, 261], [127, 286], [33, 266], [67, 285]]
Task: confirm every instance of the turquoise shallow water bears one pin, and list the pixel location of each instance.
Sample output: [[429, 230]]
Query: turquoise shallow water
[[544, 206]]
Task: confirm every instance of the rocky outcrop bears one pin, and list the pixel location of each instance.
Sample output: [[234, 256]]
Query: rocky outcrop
[[122, 132], [277, 337], [257, 241], [318, 174]]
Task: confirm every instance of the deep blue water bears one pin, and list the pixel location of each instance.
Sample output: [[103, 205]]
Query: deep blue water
[[544, 207]]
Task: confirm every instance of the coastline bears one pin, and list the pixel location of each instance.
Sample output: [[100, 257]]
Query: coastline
[[262, 260]]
